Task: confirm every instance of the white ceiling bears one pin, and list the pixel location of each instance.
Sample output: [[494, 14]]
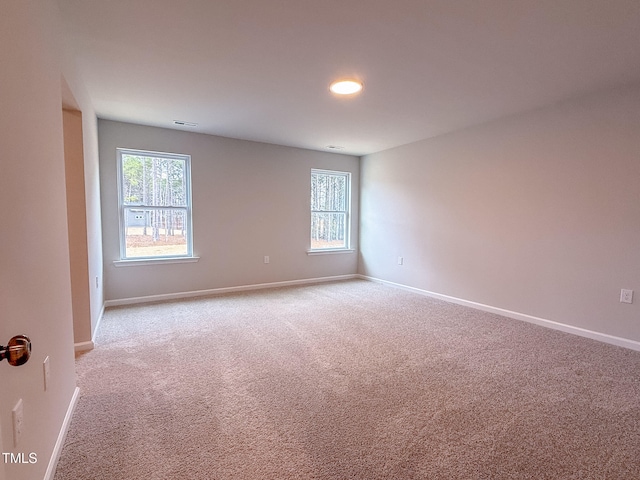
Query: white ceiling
[[260, 69]]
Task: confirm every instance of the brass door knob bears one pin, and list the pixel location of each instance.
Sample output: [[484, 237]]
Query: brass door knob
[[17, 351]]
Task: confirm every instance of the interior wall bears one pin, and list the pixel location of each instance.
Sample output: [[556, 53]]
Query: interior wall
[[94, 215], [77, 224], [75, 97], [536, 214], [35, 291], [250, 200]]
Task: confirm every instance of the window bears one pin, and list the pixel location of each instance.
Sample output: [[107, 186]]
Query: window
[[155, 205], [330, 204]]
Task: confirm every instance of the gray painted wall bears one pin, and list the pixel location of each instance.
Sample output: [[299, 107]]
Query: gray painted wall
[[538, 214], [249, 200]]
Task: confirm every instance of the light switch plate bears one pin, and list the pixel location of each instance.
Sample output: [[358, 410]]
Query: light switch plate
[[47, 373], [18, 420]]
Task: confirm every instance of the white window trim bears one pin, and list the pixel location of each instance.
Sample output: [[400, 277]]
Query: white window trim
[[347, 248], [188, 257], [329, 251], [154, 261]]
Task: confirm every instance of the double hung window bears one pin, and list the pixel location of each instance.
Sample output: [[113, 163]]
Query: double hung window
[[154, 205], [330, 206]]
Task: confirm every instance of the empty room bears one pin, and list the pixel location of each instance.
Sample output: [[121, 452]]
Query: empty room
[[320, 240]]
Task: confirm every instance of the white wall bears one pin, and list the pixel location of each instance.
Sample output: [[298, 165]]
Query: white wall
[[77, 224], [75, 96], [537, 214], [94, 216], [35, 292], [249, 200]]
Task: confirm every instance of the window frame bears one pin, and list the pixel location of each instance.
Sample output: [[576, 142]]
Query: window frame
[[122, 209], [347, 213]]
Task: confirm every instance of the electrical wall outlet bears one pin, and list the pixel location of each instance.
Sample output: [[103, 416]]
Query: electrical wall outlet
[[47, 373], [266, 259], [626, 296], [18, 421]]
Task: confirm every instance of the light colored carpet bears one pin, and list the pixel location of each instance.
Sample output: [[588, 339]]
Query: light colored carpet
[[350, 380]]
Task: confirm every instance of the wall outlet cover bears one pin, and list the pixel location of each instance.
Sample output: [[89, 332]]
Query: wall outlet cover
[[626, 296]]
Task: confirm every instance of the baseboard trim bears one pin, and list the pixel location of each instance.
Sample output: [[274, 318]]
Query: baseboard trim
[[83, 346], [80, 347], [62, 435], [95, 330], [218, 291], [602, 337]]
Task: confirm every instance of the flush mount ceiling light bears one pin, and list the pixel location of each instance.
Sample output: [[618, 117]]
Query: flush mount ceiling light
[[334, 147], [346, 87]]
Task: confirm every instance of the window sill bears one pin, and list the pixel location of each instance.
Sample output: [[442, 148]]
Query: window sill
[[154, 261], [330, 251]]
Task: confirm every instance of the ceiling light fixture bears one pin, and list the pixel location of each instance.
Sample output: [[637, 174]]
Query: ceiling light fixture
[[334, 147], [184, 124], [346, 87]]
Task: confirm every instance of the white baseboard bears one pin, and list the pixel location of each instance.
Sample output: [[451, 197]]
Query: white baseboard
[[95, 330], [218, 291], [80, 347], [83, 346], [57, 449], [602, 337], [100, 315]]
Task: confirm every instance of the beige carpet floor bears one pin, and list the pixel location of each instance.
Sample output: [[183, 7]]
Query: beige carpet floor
[[349, 380]]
